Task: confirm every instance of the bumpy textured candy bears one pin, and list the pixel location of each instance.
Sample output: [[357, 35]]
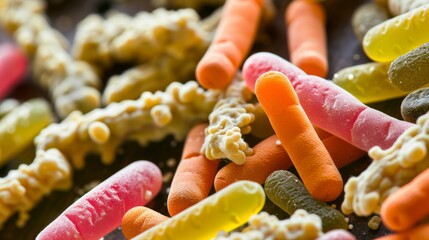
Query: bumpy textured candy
[[398, 35], [15, 15], [398, 7], [222, 211], [367, 16], [415, 105], [23, 188], [409, 71], [368, 82], [72, 84], [195, 4], [100, 210], [120, 38], [150, 118], [231, 117], [300, 225], [21, 126], [389, 170], [285, 190], [152, 76]]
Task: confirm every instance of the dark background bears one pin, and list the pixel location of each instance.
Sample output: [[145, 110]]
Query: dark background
[[344, 50]]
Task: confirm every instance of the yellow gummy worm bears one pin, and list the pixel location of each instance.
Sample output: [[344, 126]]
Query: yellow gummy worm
[[397, 36], [223, 211], [21, 126], [368, 82]]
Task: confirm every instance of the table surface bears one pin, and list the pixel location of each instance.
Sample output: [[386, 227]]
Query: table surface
[[344, 50]]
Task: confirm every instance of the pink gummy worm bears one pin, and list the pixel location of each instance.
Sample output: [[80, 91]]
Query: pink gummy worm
[[13, 65], [100, 210], [330, 107]]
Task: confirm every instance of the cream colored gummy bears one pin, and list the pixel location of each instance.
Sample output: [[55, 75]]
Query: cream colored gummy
[[152, 117], [301, 225], [231, 117], [23, 188], [147, 36], [152, 76], [72, 84], [14, 13], [398, 7], [389, 170], [195, 4]]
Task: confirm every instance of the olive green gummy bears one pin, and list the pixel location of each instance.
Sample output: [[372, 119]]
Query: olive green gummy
[[409, 71], [367, 16], [415, 105], [285, 190]]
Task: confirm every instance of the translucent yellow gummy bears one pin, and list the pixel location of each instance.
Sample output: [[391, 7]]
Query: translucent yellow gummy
[[20, 127], [368, 82], [223, 211], [397, 36]]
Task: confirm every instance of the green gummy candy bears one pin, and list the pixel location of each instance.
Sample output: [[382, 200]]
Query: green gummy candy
[[410, 71], [415, 105], [368, 82], [285, 190], [19, 127], [367, 16]]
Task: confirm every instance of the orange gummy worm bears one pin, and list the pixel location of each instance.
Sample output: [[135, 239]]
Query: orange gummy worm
[[305, 21], [269, 157], [194, 175], [140, 219], [231, 44], [416, 233], [408, 205], [290, 123]]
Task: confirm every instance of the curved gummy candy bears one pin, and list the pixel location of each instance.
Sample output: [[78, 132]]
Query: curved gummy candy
[[223, 211], [409, 71], [397, 36], [289, 193], [367, 82]]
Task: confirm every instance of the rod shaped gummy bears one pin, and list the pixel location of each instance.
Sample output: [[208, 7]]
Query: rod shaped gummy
[[13, 65], [368, 82], [19, 127], [100, 210], [397, 36], [330, 107], [223, 211]]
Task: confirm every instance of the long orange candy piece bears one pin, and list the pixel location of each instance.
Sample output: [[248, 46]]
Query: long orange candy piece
[[231, 44], [194, 175], [305, 21], [269, 157], [405, 207], [290, 123], [417, 233]]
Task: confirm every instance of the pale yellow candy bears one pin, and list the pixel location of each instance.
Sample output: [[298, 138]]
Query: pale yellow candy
[[223, 211], [99, 132], [397, 36], [21, 126]]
